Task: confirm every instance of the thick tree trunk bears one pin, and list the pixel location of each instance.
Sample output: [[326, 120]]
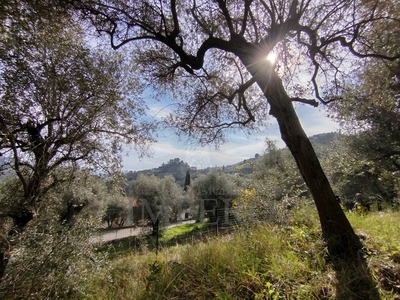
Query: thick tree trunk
[[337, 231]]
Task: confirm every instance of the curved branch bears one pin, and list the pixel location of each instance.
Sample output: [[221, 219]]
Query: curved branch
[[349, 45], [311, 102], [270, 11], [176, 29], [240, 90], [197, 19], [227, 16], [246, 13]]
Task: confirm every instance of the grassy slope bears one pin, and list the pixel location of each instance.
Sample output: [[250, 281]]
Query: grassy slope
[[270, 262]]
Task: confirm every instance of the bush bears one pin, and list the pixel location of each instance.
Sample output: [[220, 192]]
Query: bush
[[51, 261]]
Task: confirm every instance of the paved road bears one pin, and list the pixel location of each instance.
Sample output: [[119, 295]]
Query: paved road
[[116, 234]]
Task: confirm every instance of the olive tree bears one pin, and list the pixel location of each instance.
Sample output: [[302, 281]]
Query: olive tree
[[160, 198], [63, 105], [212, 56], [369, 158], [213, 192], [50, 259], [370, 112], [116, 213]]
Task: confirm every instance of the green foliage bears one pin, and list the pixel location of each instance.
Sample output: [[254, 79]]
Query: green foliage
[[212, 193], [162, 197], [351, 171], [369, 113], [262, 262], [274, 188], [214, 185], [51, 262], [52, 257], [278, 174], [64, 104], [116, 213]]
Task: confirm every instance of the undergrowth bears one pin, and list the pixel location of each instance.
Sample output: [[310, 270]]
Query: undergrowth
[[286, 261]]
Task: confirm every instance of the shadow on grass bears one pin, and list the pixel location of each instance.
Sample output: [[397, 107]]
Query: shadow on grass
[[354, 279]]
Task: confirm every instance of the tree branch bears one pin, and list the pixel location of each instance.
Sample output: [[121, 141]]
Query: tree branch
[[311, 102], [227, 16]]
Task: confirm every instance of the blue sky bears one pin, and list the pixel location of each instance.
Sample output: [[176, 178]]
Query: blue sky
[[238, 148]]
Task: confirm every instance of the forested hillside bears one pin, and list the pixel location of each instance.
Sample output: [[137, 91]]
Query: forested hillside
[[175, 167]]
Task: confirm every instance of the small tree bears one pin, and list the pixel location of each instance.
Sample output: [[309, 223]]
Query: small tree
[[275, 188], [187, 181], [277, 171], [159, 196], [212, 192], [116, 213]]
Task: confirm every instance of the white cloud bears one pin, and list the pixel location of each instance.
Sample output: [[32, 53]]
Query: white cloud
[[314, 120]]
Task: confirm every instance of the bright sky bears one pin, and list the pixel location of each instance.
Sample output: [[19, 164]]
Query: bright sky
[[238, 148]]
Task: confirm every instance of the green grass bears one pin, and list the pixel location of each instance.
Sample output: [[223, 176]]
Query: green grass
[[182, 232], [381, 229], [263, 262]]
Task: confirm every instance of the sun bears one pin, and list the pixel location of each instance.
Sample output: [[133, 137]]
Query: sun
[[272, 57]]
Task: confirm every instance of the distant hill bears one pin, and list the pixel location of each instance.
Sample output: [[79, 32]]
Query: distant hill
[[325, 139], [319, 142], [177, 168]]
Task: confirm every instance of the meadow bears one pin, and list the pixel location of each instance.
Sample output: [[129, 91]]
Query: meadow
[[265, 261]]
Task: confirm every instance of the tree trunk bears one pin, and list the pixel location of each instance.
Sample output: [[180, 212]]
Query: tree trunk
[[336, 229]]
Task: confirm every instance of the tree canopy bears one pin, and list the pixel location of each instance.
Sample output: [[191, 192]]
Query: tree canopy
[[160, 197], [370, 114], [188, 44], [63, 104]]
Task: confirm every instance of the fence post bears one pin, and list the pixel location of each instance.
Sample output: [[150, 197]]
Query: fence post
[[157, 228]]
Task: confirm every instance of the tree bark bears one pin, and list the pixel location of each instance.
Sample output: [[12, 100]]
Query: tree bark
[[336, 229]]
